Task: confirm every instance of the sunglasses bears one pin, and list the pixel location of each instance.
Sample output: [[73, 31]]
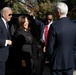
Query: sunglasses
[[49, 19], [10, 15]]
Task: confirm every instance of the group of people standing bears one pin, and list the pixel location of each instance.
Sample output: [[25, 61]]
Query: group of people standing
[[57, 40]]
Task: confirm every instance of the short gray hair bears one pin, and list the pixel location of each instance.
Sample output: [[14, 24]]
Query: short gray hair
[[5, 10], [62, 7]]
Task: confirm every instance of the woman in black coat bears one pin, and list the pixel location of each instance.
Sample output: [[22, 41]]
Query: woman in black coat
[[23, 46]]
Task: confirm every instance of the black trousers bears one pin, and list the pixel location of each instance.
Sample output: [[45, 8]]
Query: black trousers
[[43, 63], [43, 59], [27, 69], [63, 72], [2, 68]]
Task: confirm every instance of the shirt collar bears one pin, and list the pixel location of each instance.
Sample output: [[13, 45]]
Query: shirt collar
[[50, 23], [3, 20], [63, 16]]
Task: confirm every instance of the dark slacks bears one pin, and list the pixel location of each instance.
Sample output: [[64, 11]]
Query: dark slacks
[[24, 70], [63, 72], [43, 59], [43, 63], [2, 68]]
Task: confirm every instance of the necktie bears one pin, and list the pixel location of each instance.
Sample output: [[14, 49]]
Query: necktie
[[46, 34], [8, 33], [7, 26]]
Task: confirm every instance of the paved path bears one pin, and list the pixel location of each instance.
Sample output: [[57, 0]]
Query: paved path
[[46, 72]]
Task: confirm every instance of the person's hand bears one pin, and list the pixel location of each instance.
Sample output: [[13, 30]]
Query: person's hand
[[44, 49], [31, 14], [23, 63], [9, 42]]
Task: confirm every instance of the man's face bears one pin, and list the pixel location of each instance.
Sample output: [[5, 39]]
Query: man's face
[[7, 15], [49, 18]]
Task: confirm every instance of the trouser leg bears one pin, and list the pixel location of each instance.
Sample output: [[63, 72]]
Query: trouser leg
[[43, 63], [2, 68]]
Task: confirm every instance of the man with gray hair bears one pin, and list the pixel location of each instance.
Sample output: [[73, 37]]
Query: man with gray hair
[[5, 37], [61, 42]]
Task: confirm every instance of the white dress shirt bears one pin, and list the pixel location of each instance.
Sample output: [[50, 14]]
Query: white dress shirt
[[5, 23], [43, 36]]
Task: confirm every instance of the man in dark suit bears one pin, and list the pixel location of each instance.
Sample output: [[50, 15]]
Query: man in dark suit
[[5, 38], [43, 28], [61, 41], [43, 38]]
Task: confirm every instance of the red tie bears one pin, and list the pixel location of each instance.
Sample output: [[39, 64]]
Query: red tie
[[46, 34]]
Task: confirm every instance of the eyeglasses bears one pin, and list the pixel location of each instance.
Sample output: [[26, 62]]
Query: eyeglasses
[[10, 15]]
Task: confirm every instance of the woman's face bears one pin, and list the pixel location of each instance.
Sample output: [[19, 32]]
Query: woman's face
[[26, 23]]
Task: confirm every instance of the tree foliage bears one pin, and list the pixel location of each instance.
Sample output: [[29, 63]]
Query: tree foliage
[[72, 8], [38, 7], [43, 8]]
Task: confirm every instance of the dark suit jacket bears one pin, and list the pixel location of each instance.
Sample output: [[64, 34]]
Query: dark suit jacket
[[4, 35], [60, 46], [41, 27]]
